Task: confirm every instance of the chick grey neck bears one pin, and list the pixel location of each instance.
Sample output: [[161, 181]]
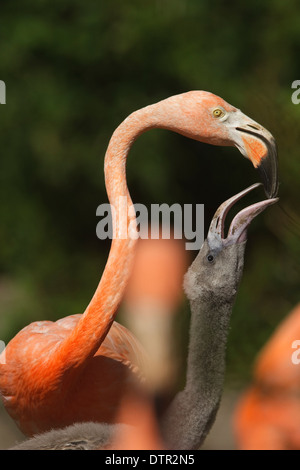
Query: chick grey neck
[[211, 293]]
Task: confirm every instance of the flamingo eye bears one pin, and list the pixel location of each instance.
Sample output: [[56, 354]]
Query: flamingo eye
[[218, 113]]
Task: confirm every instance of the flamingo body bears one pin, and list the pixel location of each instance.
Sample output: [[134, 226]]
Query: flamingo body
[[267, 416], [267, 420], [106, 376]]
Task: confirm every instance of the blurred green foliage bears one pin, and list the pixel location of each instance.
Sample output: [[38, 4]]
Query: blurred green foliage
[[73, 71]]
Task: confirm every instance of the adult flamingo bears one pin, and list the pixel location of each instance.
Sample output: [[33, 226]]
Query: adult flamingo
[[267, 416], [77, 368]]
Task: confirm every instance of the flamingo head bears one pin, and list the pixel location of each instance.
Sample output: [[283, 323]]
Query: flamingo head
[[217, 270], [237, 232], [205, 117]]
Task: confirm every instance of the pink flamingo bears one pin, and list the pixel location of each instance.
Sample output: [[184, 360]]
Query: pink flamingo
[[78, 368]]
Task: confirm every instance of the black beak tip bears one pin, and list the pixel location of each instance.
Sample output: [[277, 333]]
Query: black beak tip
[[268, 166], [269, 175]]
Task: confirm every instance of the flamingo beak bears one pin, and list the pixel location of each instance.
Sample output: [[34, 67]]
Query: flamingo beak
[[237, 232], [258, 145]]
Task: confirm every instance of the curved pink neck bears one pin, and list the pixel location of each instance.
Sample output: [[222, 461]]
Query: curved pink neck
[[98, 317]]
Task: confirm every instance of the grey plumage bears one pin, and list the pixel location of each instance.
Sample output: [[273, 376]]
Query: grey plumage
[[211, 288], [79, 436]]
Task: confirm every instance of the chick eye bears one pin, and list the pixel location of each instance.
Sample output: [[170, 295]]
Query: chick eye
[[217, 113], [210, 258]]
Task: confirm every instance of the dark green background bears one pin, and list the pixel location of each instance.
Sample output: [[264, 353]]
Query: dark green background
[[74, 70]]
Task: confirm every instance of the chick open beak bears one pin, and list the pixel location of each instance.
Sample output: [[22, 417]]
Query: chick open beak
[[238, 228]]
